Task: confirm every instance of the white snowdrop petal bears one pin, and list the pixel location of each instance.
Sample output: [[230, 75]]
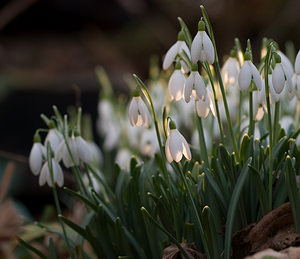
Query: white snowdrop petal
[[185, 48], [208, 48], [278, 79], [256, 77], [167, 150], [298, 87], [133, 112], [170, 55], [202, 108], [286, 63], [59, 174], [43, 175], [176, 85], [245, 76], [188, 88], [83, 149], [144, 112], [200, 87], [186, 149], [35, 158], [175, 145], [297, 63], [196, 47]]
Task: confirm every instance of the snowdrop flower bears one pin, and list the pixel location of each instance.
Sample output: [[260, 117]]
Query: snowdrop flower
[[203, 107], [54, 137], [296, 79], [149, 144], [37, 153], [45, 175], [297, 63], [249, 73], [202, 48], [176, 145], [107, 124], [123, 159], [179, 48], [195, 86], [258, 104], [176, 84], [286, 63], [138, 112], [95, 152], [79, 149], [281, 76], [230, 70]]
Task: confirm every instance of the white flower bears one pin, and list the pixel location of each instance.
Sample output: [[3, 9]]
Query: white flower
[[202, 48], [176, 84], [230, 72], [258, 104], [149, 144], [248, 73], [107, 125], [203, 107], [297, 63], [37, 153], [195, 86], [138, 112], [96, 153], [286, 63], [54, 137], [297, 85], [274, 96], [79, 149], [281, 76], [177, 48], [45, 175], [123, 159], [176, 145]]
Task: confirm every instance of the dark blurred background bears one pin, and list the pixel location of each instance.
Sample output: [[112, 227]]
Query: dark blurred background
[[47, 46]]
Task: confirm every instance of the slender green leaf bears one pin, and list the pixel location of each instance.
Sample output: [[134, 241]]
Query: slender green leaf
[[31, 248], [233, 206]]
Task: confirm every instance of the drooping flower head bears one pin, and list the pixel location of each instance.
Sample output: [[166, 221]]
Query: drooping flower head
[[297, 63], [281, 76], [176, 84], [37, 154], [54, 137], [138, 112], [194, 86], [178, 52], [230, 70], [202, 48], [176, 145], [248, 74]]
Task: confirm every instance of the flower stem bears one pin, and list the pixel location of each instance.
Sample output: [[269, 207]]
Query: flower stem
[[251, 120], [203, 150], [207, 68], [266, 73], [148, 96], [276, 121], [218, 73], [58, 209], [196, 214]]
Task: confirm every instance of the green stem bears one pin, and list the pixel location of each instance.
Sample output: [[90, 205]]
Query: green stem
[[218, 73], [58, 209], [147, 94], [266, 73], [207, 68], [240, 112], [276, 121], [196, 214], [251, 120], [203, 150], [297, 115]]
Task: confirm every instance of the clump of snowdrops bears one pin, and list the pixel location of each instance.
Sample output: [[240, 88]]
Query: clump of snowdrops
[[243, 123]]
